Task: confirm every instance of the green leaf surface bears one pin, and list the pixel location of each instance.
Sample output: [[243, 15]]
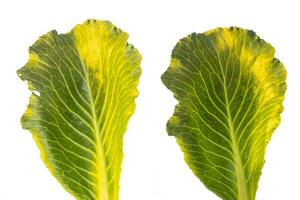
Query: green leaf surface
[[83, 85], [230, 90]]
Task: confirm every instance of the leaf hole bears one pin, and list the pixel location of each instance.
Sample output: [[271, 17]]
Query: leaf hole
[[37, 93]]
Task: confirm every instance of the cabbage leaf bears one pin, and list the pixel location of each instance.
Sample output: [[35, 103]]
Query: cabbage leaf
[[84, 84], [230, 90]]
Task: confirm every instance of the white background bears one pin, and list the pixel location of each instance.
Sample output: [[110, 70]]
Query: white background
[[153, 167]]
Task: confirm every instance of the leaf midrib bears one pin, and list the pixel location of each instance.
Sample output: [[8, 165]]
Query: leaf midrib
[[240, 174], [100, 156]]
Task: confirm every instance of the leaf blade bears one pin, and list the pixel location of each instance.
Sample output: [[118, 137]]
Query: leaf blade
[[230, 90], [87, 83]]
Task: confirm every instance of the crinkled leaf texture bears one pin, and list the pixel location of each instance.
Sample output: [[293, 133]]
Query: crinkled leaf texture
[[84, 85], [230, 90]]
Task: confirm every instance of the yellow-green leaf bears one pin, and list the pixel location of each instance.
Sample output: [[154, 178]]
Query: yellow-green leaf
[[230, 90], [83, 85]]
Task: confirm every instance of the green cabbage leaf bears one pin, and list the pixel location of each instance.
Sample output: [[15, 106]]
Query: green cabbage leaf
[[230, 90], [84, 84]]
